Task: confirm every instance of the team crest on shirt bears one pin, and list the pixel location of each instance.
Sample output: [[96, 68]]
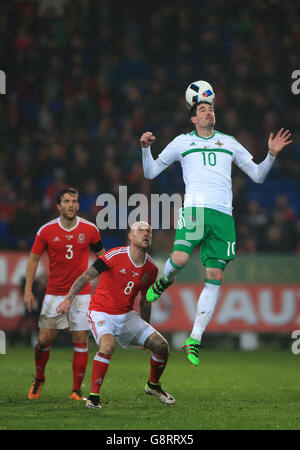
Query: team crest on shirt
[[81, 238], [145, 278], [218, 143]]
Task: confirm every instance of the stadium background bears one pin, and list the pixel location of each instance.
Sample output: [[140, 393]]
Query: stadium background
[[86, 78]]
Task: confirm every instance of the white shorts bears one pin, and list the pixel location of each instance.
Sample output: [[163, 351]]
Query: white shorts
[[76, 319], [128, 328]]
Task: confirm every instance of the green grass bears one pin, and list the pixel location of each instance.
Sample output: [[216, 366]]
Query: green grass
[[230, 390]]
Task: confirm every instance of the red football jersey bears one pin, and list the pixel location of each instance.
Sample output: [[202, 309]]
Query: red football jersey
[[68, 252], [121, 283]]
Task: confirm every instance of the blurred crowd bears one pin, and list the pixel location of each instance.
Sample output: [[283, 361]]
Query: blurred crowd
[[86, 78]]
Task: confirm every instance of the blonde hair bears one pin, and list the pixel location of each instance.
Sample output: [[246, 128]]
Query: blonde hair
[[135, 225]]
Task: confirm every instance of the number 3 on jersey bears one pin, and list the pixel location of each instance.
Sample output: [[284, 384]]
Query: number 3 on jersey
[[69, 252], [128, 288]]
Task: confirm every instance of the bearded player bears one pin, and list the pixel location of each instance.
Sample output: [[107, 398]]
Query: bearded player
[[206, 156], [67, 240], [125, 272]]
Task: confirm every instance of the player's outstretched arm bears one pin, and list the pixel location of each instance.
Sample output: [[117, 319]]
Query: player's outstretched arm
[[151, 167], [258, 172], [65, 306], [278, 142]]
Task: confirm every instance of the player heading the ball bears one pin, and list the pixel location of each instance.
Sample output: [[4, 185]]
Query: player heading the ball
[[206, 156]]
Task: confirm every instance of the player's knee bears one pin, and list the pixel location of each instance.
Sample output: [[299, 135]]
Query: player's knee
[[157, 344], [163, 349], [213, 273], [180, 258], [160, 346], [80, 337], [107, 344], [46, 337]]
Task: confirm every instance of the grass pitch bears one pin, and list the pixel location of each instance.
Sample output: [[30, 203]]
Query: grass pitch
[[230, 390]]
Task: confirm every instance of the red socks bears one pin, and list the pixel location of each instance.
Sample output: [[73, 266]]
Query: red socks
[[157, 364], [102, 361], [80, 360], [100, 366], [41, 356]]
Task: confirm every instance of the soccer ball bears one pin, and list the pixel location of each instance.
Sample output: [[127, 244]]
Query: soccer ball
[[199, 91]]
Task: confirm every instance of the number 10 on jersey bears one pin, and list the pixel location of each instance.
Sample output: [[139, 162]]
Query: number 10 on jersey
[[230, 248], [209, 159]]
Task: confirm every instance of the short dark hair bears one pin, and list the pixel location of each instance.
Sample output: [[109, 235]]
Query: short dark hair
[[193, 110], [70, 190]]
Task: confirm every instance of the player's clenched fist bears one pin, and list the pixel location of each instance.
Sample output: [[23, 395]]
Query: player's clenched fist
[[147, 139]]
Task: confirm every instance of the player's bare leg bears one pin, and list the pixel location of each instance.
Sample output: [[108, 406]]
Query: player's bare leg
[[41, 356], [205, 308], [107, 344], [158, 361], [100, 367], [47, 336], [80, 360], [174, 264], [157, 344]]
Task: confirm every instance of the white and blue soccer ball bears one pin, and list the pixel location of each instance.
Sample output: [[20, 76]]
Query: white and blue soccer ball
[[199, 91]]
